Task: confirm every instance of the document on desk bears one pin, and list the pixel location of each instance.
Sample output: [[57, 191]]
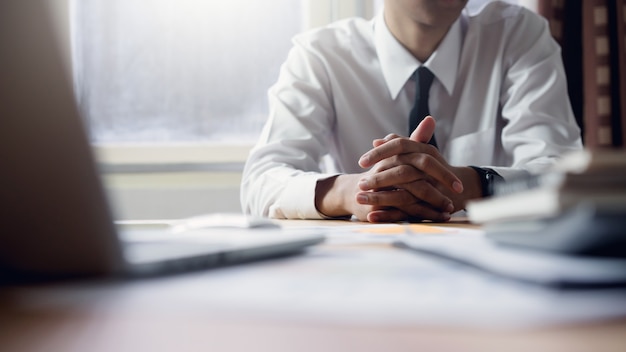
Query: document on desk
[[520, 263]]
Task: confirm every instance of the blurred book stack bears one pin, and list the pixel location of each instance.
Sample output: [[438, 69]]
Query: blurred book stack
[[597, 178]]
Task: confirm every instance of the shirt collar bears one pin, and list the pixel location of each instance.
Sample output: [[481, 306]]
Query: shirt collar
[[398, 64]]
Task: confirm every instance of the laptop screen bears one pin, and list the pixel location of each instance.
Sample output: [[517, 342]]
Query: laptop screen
[[54, 216]]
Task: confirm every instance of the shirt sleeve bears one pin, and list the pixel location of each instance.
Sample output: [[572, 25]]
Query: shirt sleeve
[[539, 122], [283, 169]]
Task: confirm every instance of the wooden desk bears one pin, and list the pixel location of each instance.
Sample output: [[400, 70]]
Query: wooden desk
[[141, 316]]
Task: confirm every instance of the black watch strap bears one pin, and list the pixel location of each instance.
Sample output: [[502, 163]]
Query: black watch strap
[[487, 179]]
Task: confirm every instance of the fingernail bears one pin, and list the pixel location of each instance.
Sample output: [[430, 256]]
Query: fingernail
[[364, 160], [445, 216], [450, 207], [457, 187], [363, 183], [362, 198]]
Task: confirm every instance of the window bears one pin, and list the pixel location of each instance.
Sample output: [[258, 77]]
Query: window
[[164, 71]]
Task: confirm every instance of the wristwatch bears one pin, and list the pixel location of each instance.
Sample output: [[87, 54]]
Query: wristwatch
[[488, 178]]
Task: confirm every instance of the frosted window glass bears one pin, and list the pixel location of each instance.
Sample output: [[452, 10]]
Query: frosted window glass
[[179, 70]]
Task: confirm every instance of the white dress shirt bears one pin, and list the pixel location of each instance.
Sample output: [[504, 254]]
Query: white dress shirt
[[499, 98]]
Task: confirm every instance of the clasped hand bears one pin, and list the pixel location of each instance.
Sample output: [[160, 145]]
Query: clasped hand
[[408, 179]]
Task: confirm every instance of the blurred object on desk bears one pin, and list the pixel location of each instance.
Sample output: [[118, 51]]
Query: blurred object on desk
[[594, 177]]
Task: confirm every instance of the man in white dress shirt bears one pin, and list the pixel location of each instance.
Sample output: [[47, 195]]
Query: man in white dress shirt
[[337, 141]]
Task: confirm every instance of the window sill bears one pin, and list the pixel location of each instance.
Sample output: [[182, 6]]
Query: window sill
[[171, 157]]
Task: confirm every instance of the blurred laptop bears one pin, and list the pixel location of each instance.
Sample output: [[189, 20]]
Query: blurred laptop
[[54, 216]]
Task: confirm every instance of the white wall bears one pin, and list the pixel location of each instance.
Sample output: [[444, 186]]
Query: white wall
[[173, 195], [150, 181]]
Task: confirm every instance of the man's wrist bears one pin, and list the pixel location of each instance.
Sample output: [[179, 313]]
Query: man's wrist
[[488, 177], [329, 200]]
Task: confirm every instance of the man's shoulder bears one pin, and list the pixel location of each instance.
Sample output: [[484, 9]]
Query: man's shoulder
[[502, 13], [340, 34]]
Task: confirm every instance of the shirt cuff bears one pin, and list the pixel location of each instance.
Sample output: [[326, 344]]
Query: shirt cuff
[[297, 200]]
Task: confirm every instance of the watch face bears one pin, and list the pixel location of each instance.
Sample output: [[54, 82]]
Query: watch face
[[488, 184], [487, 179]]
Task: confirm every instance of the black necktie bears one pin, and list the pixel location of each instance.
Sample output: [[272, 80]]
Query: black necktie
[[423, 79]]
